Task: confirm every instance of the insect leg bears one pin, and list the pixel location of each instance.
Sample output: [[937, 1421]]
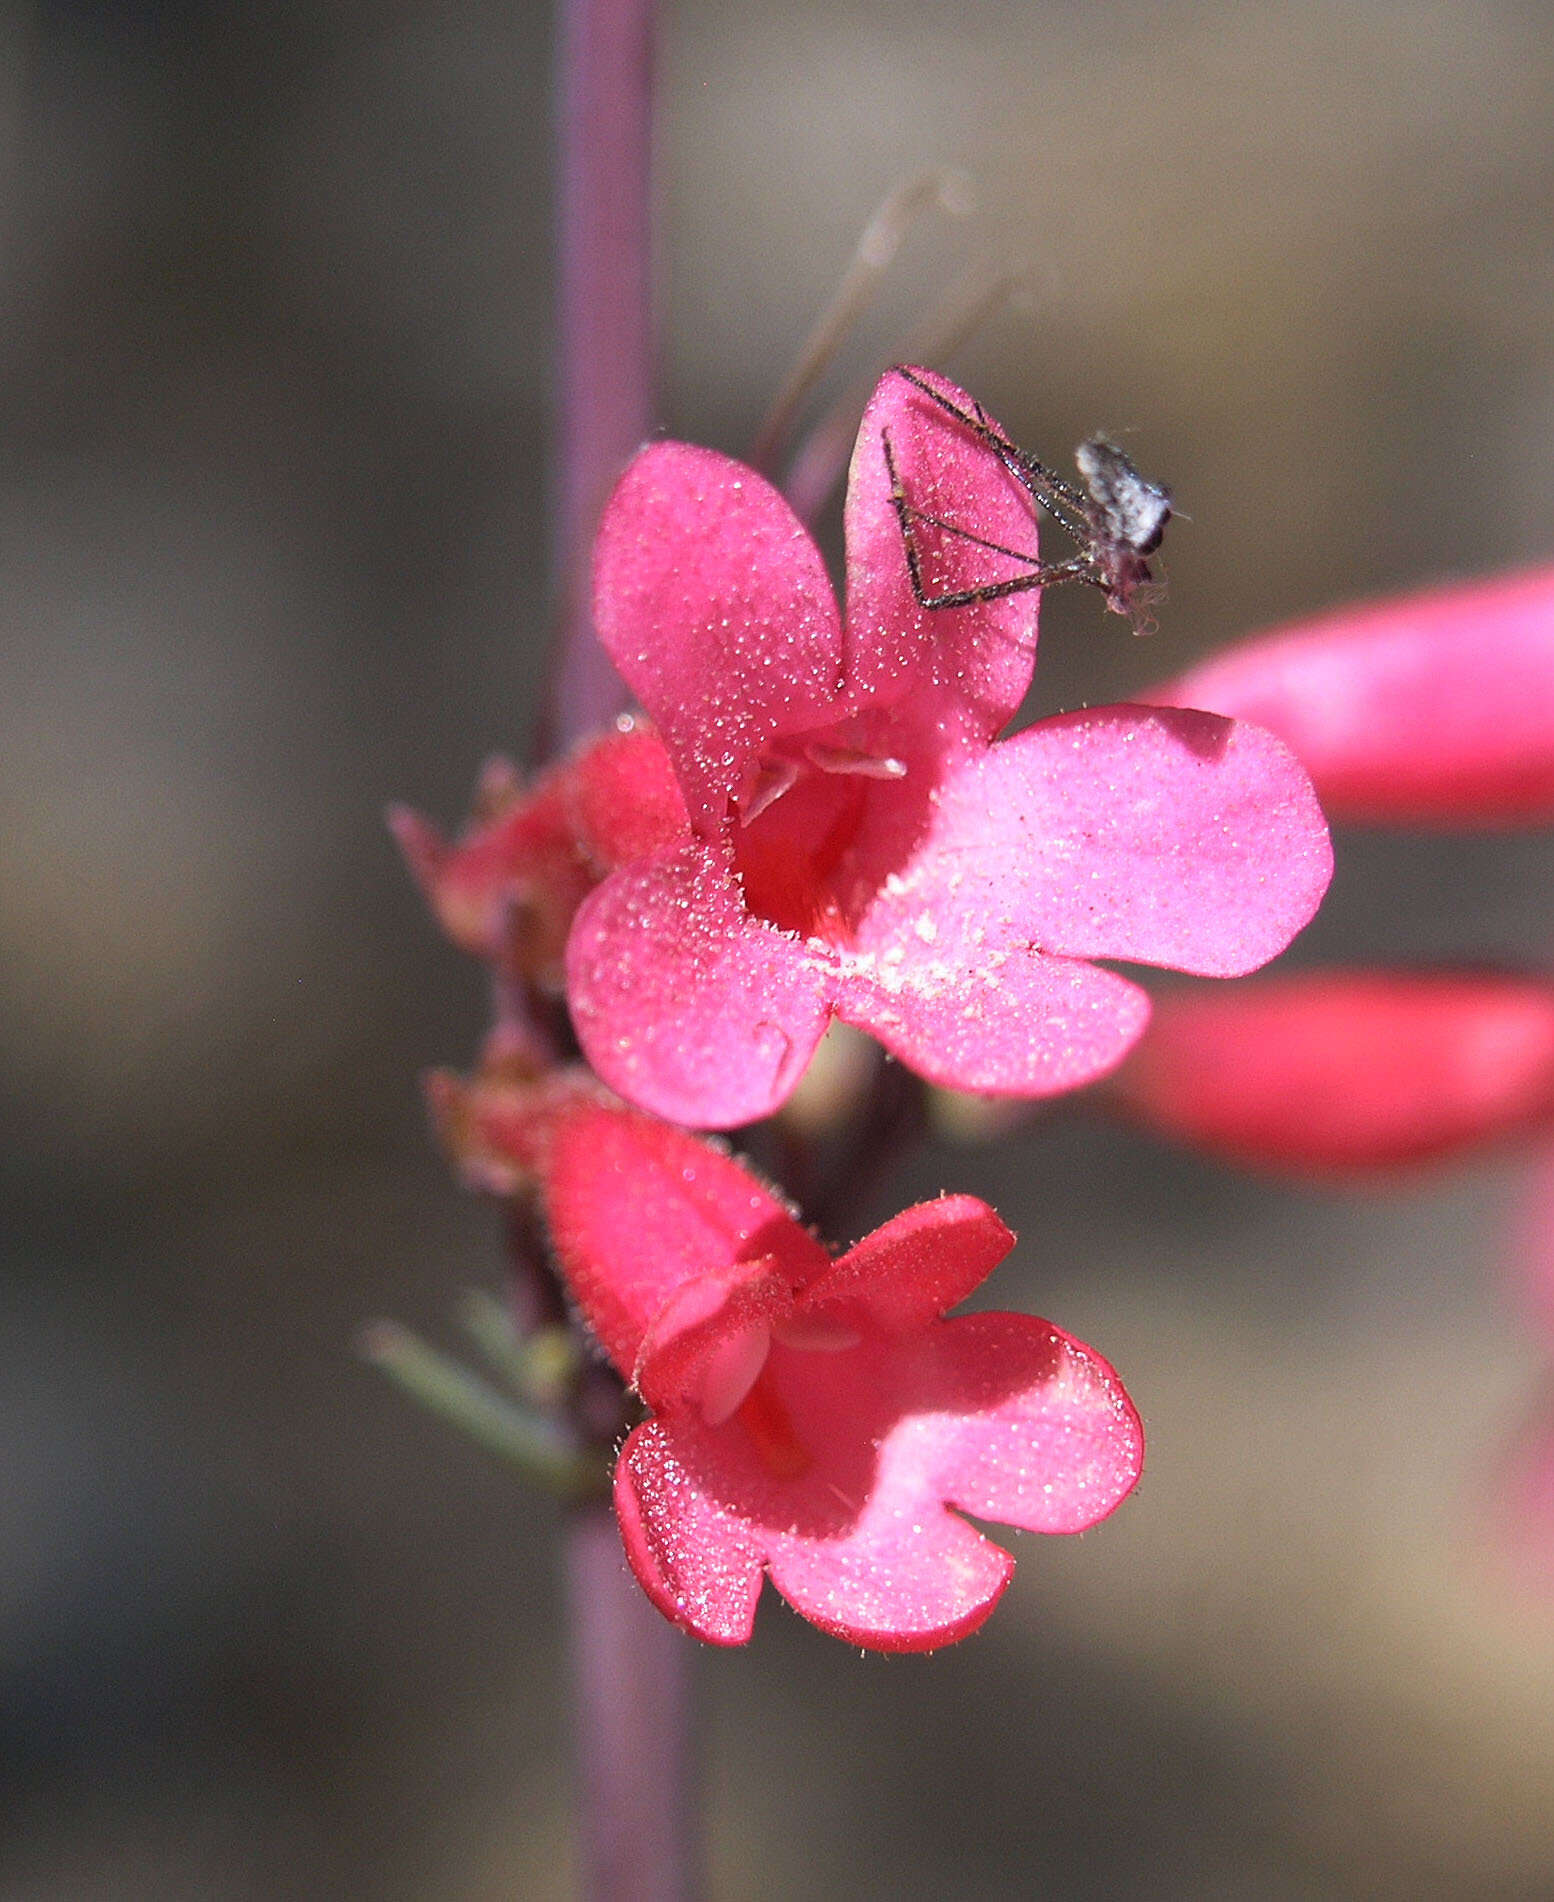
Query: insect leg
[[1077, 568], [1063, 502]]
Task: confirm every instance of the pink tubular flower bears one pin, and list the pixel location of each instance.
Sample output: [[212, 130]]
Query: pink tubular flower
[[856, 843], [817, 1420], [1435, 708], [1344, 1071]]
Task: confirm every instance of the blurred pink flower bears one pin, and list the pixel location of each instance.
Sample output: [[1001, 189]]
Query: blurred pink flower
[[1435, 708], [1335, 1072], [1432, 708], [814, 1420], [856, 842]]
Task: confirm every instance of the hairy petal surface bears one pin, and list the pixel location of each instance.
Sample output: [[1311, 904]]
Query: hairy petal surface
[[686, 1004], [918, 1264], [1346, 1070], [638, 1210], [1006, 1022], [1043, 1437], [1167, 837], [1433, 708], [699, 1560]]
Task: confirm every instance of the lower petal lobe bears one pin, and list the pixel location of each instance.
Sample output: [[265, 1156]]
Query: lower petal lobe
[[683, 1002]]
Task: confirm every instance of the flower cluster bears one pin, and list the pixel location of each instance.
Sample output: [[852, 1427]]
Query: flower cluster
[[819, 817]]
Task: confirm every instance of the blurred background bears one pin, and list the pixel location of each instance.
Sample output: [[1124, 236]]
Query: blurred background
[[274, 349]]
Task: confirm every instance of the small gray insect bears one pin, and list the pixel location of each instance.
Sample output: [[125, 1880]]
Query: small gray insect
[[1117, 520]]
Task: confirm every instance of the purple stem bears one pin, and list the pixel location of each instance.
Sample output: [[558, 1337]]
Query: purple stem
[[630, 1663], [604, 370], [630, 1666]]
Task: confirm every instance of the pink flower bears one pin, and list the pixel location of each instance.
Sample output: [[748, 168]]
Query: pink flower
[[1435, 708], [814, 1420], [856, 843], [1432, 708], [1342, 1071]]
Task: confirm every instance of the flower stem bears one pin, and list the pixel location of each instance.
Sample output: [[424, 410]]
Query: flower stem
[[631, 1689], [604, 377], [630, 1667]]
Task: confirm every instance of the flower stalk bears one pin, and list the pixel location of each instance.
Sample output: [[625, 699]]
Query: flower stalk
[[629, 1667], [604, 335]]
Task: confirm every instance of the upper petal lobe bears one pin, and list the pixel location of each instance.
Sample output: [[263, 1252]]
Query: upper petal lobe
[[714, 604]]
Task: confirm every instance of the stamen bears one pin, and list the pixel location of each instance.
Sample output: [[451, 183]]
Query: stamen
[[765, 784]]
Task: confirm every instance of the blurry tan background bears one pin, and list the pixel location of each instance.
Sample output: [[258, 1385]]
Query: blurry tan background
[[273, 349]]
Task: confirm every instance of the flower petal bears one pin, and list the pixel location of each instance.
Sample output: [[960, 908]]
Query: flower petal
[[996, 1413], [1012, 1023], [697, 1559], [918, 1264], [982, 653], [910, 1577], [1346, 1070], [857, 1541], [686, 1004], [714, 604], [999, 1414], [1434, 708], [1167, 837], [1042, 1434], [637, 1209]]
